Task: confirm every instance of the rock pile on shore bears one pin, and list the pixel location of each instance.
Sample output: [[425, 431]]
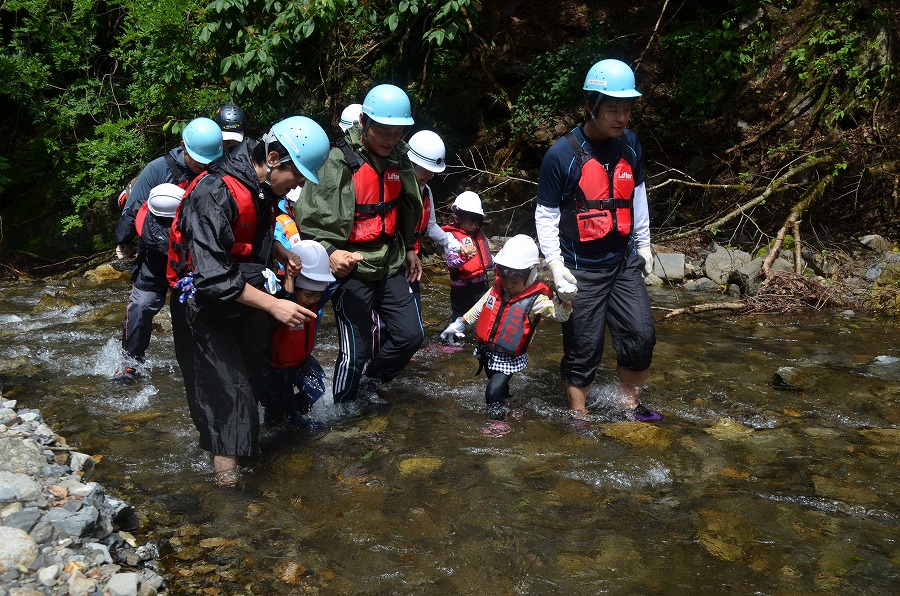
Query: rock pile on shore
[[60, 533]]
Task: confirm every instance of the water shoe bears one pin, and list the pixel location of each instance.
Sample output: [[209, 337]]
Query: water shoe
[[126, 375], [645, 414]]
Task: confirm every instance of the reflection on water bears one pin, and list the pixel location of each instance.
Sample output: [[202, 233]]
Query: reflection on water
[[742, 488]]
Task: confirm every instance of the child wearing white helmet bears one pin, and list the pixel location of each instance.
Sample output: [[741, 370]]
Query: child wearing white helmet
[[470, 264], [505, 320], [295, 380]]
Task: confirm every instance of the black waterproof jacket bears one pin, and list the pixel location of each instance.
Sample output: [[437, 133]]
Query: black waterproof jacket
[[206, 222]]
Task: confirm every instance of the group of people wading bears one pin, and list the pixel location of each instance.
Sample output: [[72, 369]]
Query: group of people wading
[[343, 222]]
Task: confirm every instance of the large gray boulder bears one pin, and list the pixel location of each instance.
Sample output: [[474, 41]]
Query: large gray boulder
[[720, 264]]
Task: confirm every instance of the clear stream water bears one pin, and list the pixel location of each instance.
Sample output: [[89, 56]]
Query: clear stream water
[[743, 488]]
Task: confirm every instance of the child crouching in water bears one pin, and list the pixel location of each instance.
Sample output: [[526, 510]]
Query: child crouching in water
[[506, 318], [296, 380]]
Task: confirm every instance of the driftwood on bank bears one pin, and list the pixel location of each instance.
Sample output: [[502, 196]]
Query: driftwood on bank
[[777, 184]]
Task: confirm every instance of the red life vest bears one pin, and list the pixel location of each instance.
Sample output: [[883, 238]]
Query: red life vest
[[244, 229], [507, 326], [377, 198], [422, 227], [479, 264], [291, 346], [602, 208]]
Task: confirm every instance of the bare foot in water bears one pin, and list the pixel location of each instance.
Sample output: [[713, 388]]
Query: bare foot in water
[[225, 467]]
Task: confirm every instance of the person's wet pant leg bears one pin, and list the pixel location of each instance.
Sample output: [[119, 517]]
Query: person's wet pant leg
[[144, 304], [397, 306]]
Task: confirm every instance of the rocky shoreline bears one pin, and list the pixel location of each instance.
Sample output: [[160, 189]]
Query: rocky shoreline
[[60, 533]]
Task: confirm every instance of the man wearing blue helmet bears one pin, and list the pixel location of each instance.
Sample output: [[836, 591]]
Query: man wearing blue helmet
[[364, 211], [594, 230], [201, 142], [221, 243]]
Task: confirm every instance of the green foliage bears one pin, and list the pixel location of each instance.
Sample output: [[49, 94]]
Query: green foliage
[[841, 55], [715, 52], [101, 163], [553, 86], [259, 44]]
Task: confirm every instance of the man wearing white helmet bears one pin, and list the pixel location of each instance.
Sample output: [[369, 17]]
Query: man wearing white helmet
[[364, 212], [221, 245], [593, 225], [201, 142]]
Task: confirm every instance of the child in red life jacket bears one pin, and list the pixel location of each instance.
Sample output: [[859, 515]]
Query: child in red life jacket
[[468, 266], [506, 318], [295, 380]]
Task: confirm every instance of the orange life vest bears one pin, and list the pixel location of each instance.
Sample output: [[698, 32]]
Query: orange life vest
[[291, 346], [377, 198], [506, 325], [244, 229], [602, 208], [479, 264]]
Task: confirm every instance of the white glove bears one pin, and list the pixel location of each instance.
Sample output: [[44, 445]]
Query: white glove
[[566, 287], [124, 251], [646, 253], [454, 331], [271, 281]]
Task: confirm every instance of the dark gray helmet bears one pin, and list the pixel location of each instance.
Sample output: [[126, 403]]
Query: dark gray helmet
[[230, 119]]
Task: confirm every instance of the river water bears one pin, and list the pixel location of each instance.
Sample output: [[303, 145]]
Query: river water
[[743, 487]]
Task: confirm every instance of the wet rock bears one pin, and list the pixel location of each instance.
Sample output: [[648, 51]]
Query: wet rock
[[104, 272], [638, 434], [844, 491], [794, 379], [16, 548], [725, 535], [290, 572], [728, 429], [49, 303], [420, 465]]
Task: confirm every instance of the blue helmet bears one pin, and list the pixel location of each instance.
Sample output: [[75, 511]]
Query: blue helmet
[[611, 77], [202, 140], [388, 104], [306, 142]]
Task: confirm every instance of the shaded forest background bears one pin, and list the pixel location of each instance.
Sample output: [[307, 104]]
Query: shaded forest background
[[752, 109]]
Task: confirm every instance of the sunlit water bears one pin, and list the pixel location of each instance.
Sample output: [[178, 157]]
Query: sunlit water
[[742, 488]]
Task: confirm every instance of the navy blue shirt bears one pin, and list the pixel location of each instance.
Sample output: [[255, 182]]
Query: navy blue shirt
[[558, 181]]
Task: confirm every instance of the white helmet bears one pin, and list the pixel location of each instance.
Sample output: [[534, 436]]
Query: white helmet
[[426, 149], [468, 201], [350, 116], [519, 252], [315, 272], [164, 199]]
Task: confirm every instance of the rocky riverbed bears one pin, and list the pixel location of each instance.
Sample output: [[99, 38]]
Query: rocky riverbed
[[60, 532]]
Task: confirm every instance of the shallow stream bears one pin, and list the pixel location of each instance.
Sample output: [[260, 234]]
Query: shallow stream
[[743, 487]]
